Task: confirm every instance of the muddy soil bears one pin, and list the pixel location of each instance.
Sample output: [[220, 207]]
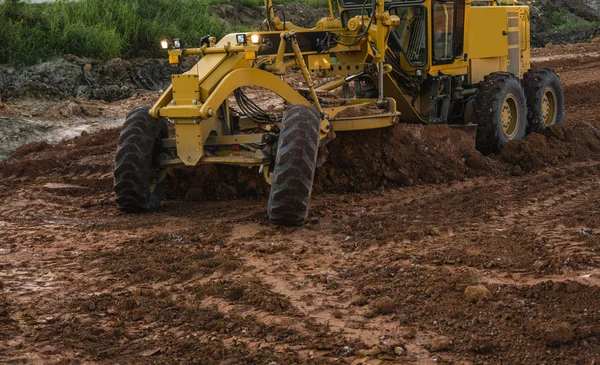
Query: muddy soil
[[422, 252]]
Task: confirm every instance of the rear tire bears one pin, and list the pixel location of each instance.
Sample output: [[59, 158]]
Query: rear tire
[[295, 166], [545, 99], [136, 162], [500, 111]]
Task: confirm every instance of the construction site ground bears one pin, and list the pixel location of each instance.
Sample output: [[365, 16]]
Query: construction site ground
[[418, 250]]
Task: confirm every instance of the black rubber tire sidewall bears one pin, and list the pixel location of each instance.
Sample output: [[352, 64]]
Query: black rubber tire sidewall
[[136, 159], [488, 105], [295, 165], [536, 82]]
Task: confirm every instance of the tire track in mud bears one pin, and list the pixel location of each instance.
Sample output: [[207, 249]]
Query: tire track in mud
[[319, 254]]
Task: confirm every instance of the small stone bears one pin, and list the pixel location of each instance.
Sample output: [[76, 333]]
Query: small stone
[[151, 352], [556, 335], [384, 305], [399, 351], [441, 343], [347, 351], [477, 293]]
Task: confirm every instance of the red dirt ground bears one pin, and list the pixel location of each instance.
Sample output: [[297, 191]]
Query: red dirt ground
[[377, 276]]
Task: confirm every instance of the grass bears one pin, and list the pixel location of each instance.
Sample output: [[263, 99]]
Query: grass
[[559, 20], [104, 29]]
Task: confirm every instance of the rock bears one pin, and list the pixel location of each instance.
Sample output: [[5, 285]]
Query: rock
[[151, 352], [441, 343], [399, 351], [384, 305], [556, 335], [347, 351], [477, 293]]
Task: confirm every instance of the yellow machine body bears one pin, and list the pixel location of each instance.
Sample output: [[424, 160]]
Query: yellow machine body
[[414, 53]]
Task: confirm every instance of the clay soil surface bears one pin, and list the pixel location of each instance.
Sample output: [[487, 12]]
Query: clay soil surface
[[421, 252]]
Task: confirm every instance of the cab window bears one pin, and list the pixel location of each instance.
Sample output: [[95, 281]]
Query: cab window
[[410, 37], [443, 32]]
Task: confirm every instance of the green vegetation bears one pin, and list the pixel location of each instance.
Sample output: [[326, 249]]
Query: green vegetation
[[104, 29], [558, 20]]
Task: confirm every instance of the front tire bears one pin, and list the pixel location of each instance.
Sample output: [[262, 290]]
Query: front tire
[[545, 99], [295, 166], [136, 162], [500, 111]]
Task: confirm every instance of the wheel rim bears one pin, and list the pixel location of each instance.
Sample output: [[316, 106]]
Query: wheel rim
[[510, 115], [549, 107]]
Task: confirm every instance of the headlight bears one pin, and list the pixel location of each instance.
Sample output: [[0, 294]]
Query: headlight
[[255, 38], [164, 44], [241, 38], [177, 43]]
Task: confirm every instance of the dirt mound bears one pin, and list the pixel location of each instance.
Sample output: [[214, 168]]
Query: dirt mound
[[398, 156], [86, 160], [537, 151], [582, 94], [358, 161], [403, 155]]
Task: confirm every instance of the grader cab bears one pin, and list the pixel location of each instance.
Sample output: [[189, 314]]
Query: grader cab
[[374, 64]]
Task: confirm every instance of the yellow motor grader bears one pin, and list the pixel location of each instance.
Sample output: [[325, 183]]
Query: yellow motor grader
[[370, 64]]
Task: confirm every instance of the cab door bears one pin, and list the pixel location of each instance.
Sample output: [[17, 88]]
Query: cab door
[[448, 31]]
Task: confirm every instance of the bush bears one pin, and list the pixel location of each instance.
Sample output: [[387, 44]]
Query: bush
[[104, 29]]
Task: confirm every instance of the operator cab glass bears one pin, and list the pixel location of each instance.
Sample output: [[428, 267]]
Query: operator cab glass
[[448, 31], [410, 37]]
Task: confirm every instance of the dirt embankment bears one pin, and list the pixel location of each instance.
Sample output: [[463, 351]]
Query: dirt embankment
[[581, 16], [86, 79]]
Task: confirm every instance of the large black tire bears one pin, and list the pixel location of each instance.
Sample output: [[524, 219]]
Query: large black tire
[[500, 111], [136, 162], [295, 166], [545, 99]]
